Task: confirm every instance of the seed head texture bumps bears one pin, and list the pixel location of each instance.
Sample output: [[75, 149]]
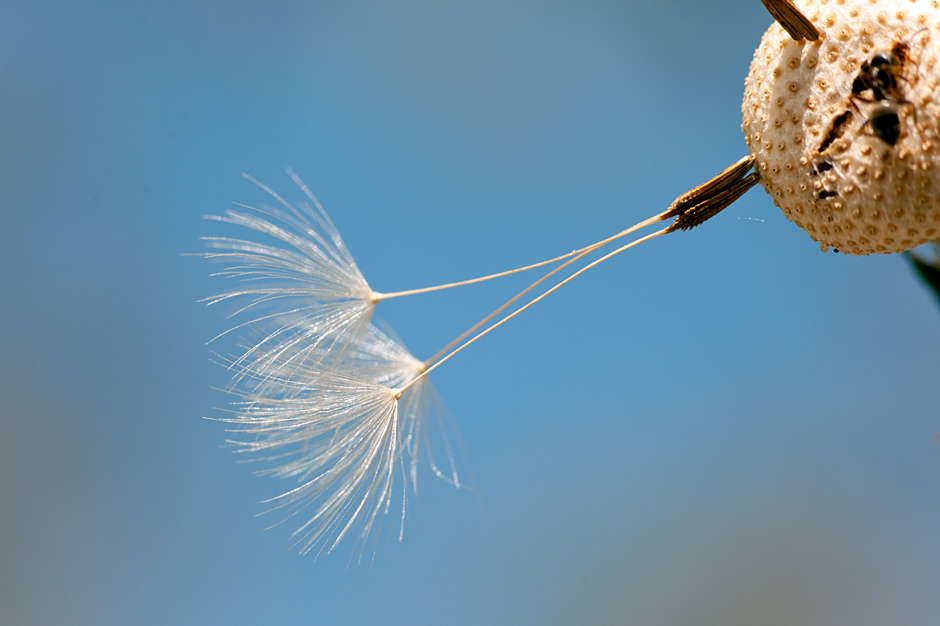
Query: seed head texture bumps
[[845, 131]]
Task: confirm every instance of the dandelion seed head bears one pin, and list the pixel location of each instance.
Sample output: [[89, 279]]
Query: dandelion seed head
[[856, 167]]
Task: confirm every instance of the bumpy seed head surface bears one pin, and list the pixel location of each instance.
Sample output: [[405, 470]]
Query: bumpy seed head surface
[[846, 130]]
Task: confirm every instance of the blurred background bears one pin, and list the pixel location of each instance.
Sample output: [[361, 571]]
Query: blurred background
[[724, 426]]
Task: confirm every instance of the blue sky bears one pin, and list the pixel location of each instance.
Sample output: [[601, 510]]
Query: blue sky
[[723, 426]]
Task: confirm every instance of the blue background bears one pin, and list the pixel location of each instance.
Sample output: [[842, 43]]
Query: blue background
[[720, 427]]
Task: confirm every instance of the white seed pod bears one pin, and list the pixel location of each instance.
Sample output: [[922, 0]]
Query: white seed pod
[[845, 130]]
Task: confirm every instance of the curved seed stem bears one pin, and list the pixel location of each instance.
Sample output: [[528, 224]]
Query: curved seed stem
[[376, 296], [532, 302], [579, 254]]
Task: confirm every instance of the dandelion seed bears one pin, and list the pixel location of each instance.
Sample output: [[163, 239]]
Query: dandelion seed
[[335, 404]]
